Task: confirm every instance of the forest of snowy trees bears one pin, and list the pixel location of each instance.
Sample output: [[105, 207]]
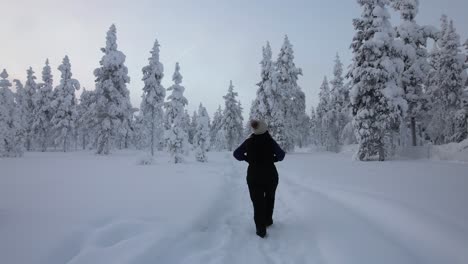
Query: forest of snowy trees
[[406, 86]]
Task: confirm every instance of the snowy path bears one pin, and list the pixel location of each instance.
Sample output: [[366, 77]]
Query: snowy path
[[337, 226], [329, 209]]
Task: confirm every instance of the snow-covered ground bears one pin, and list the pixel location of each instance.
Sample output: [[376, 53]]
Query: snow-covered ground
[[79, 208]]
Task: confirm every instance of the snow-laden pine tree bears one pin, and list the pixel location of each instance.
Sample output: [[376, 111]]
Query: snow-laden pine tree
[[415, 57], [43, 111], [20, 100], [64, 106], [262, 105], [113, 107], [301, 119], [287, 113], [377, 100], [323, 108], [152, 101], [435, 120], [313, 127], [186, 122], [175, 106], [452, 78], [29, 93], [303, 137], [201, 139], [232, 122], [216, 127], [175, 135], [447, 82], [11, 133], [220, 142], [339, 101], [192, 127], [466, 53], [86, 122]]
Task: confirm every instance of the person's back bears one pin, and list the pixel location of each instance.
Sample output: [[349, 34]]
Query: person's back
[[261, 151]]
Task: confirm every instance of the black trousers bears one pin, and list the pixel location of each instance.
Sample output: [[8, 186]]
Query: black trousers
[[262, 194]]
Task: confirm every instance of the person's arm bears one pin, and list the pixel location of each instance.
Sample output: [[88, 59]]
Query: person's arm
[[240, 152], [278, 152]]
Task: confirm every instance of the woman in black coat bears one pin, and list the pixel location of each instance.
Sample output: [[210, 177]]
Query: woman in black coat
[[261, 151]]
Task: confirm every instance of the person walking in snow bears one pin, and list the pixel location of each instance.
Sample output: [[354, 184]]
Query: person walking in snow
[[261, 151]]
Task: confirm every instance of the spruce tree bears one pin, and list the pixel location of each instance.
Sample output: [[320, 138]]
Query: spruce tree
[[216, 126], [43, 111], [186, 121], [201, 138], [113, 108], [30, 89], [339, 102], [313, 133], [286, 116], [64, 104], [11, 133], [192, 127], [153, 100], [232, 122], [86, 122], [323, 109], [175, 135], [262, 105], [447, 82], [415, 57], [377, 100]]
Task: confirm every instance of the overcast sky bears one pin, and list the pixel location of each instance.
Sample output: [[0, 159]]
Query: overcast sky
[[214, 40]]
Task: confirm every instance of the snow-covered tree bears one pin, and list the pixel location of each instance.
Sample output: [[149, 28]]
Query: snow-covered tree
[[114, 111], [313, 127], [11, 133], [175, 135], [153, 100], [201, 139], [303, 133], [186, 122], [415, 57], [262, 105], [377, 100], [216, 126], [64, 105], [43, 111], [447, 83], [192, 129], [287, 113], [28, 94], [20, 100], [323, 108], [232, 122], [175, 107], [86, 122], [339, 101]]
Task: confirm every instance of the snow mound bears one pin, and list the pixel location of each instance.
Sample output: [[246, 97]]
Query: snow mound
[[146, 160], [452, 151]]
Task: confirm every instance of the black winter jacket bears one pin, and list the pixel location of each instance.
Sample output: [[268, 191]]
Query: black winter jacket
[[261, 152]]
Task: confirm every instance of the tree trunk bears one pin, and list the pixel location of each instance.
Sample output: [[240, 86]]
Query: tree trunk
[[413, 132], [152, 132], [65, 142], [381, 153]]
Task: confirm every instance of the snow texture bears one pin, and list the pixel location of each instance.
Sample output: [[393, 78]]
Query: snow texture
[[113, 211]]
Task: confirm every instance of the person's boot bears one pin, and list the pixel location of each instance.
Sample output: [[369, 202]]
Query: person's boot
[[261, 232], [269, 223]]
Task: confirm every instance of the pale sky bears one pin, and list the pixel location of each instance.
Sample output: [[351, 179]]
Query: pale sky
[[214, 40]]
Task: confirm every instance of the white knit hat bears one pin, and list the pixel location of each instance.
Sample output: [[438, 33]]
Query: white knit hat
[[258, 127]]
